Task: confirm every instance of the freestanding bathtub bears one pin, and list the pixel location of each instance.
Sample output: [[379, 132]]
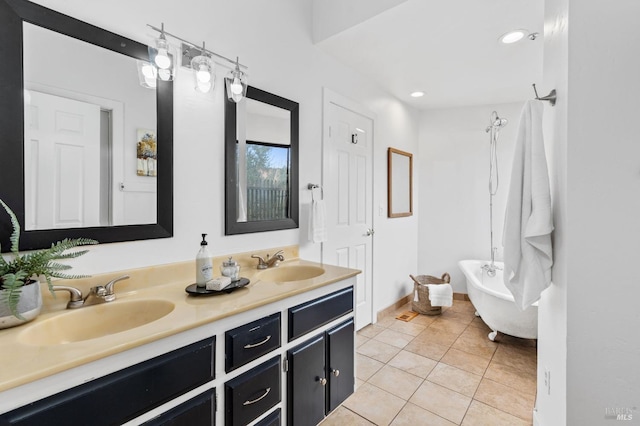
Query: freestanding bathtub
[[494, 303]]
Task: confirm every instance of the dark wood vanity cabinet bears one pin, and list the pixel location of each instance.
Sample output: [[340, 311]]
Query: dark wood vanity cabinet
[[125, 394], [320, 374], [312, 335]]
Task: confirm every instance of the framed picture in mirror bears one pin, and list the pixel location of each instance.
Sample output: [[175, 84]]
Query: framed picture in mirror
[[399, 183]]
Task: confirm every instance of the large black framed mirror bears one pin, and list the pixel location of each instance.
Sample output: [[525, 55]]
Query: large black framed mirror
[[261, 163], [24, 25]]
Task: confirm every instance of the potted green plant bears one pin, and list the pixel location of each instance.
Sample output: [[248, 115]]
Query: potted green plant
[[20, 298]]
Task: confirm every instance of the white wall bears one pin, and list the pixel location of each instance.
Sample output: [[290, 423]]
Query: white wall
[[552, 307], [274, 39], [589, 318], [396, 239], [603, 194], [454, 187]]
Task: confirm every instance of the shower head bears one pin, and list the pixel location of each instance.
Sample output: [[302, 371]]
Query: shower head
[[500, 122], [496, 122]]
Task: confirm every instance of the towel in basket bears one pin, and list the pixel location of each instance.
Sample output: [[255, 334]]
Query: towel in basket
[[421, 303]]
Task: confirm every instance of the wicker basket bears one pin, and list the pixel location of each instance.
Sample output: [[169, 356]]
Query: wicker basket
[[423, 305]]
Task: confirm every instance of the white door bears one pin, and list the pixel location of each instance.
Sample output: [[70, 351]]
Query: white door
[[62, 158], [348, 191]]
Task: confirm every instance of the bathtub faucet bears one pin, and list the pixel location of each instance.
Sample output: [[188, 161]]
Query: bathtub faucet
[[491, 268]]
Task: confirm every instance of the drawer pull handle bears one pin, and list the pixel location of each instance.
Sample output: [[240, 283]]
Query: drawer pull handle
[[336, 372], [253, 345], [266, 392], [322, 381]]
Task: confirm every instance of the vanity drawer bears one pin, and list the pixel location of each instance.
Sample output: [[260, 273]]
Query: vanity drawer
[[250, 341], [252, 393], [125, 394], [316, 313], [198, 411], [272, 419]]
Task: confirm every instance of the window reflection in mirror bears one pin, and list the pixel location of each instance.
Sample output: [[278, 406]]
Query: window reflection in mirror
[[264, 151], [261, 163], [84, 114]]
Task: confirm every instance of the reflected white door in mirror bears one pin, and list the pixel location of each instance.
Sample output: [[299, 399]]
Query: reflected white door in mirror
[[81, 135]]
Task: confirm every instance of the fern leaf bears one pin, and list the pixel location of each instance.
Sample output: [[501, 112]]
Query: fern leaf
[[71, 255], [12, 284], [15, 234], [69, 276]]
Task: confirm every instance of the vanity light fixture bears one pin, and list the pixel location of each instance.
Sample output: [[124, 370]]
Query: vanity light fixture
[[236, 83], [162, 57], [202, 66], [201, 61]]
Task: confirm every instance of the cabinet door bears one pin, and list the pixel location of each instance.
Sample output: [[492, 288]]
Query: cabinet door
[[340, 368], [306, 383]]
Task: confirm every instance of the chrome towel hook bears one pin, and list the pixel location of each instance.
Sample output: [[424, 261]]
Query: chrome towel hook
[[551, 97]]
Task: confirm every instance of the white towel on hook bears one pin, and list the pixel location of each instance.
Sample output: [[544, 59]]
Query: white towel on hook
[[318, 222], [528, 221], [440, 294]]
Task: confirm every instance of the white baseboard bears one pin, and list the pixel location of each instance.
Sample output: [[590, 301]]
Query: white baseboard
[[536, 421]]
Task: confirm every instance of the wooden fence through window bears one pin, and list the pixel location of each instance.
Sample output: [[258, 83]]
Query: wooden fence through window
[[267, 200]]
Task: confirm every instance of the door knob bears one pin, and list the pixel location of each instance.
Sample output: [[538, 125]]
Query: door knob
[[335, 372], [322, 381], [370, 232]]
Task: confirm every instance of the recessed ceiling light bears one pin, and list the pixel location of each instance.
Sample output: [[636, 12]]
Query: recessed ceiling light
[[417, 94], [513, 36]]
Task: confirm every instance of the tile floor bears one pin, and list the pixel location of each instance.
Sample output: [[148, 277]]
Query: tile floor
[[439, 370]]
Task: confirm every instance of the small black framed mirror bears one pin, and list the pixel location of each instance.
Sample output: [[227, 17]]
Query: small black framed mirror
[[261, 163]]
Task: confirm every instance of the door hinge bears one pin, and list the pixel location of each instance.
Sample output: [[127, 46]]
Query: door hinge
[[285, 365], [215, 403], [329, 131]]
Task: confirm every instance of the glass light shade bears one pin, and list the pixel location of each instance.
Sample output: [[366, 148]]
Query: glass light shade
[[147, 74], [162, 57], [203, 73], [236, 83]]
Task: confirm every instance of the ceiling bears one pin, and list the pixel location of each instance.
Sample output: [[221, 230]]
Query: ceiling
[[448, 49]]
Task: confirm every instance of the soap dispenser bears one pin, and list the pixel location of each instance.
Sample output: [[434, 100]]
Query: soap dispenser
[[204, 266]]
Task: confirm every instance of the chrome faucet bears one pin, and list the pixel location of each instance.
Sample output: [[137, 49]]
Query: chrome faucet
[[97, 294], [75, 296], [269, 262], [491, 268]]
